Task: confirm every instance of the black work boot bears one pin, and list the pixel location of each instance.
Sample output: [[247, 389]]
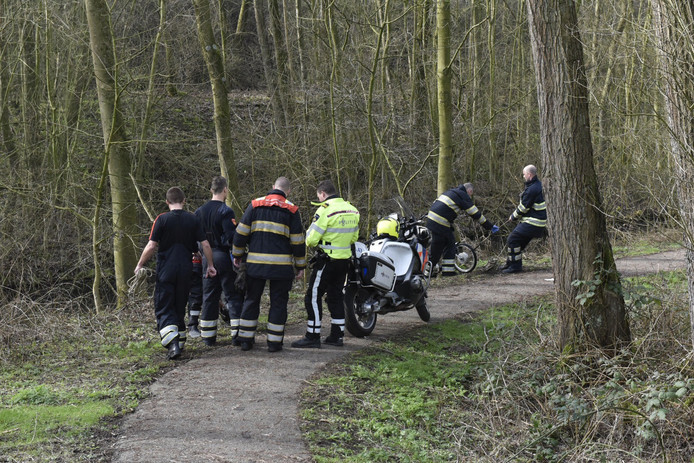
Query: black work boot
[[308, 341], [174, 350], [334, 341]]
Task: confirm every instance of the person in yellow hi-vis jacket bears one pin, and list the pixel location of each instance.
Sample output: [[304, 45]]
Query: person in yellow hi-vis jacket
[[334, 229]]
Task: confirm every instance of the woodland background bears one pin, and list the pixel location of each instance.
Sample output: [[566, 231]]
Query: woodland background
[[316, 89]]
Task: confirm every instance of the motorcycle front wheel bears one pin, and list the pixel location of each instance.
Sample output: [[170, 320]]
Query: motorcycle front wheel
[[422, 309], [357, 322]]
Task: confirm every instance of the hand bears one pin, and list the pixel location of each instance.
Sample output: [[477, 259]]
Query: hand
[[211, 272], [300, 274], [237, 262], [494, 229], [510, 218]]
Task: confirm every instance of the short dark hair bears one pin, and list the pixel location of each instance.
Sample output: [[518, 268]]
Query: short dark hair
[[327, 187], [219, 183], [175, 195]]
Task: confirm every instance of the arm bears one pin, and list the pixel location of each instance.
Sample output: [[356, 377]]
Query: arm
[[147, 254], [207, 250]]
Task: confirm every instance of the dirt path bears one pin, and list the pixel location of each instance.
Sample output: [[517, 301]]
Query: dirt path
[[242, 407]]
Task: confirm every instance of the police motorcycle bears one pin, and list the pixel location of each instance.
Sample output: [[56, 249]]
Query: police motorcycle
[[388, 273]]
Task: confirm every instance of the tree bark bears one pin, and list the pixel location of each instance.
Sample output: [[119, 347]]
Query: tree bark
[[222, 113], [443, 79], [673, 21], [123, 195], [587, 285]]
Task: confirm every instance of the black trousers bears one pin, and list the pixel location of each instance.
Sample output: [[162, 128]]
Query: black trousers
[[327, 279], [277, 317], [518, 240], [195, 294], [212, 290], [443, 244], [171, 293]]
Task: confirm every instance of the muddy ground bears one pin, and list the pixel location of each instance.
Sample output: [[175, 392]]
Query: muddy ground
[[242, 407]]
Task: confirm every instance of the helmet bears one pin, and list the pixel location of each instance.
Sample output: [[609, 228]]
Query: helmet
[[388, 226]]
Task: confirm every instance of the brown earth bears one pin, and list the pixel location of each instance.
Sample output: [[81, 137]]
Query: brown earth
[[242, 407]]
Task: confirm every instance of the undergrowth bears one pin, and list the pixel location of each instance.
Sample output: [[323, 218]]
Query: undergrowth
[[494, 388]]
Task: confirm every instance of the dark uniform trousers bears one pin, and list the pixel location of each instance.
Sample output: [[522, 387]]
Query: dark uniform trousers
[[443, 244], [327, 279], [277, 317], [518, 240], [171, 294], [195, 294], [212, 290]]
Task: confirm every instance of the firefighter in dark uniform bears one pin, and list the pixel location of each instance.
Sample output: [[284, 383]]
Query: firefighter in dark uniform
[[195, 296], [175, 236], [334, 229], [532, 213], [271, 237], [219, 223], [440, 223]]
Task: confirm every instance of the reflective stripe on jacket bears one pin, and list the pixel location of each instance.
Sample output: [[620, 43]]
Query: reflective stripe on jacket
[[271, 232], [335, 227], [532, 209], [447, 207]]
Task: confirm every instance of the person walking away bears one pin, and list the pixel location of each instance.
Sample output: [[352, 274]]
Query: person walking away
[[532, 213], [195, 296], [440, 220], [174, 237], [334, 229], [271, 237], [219, 223]]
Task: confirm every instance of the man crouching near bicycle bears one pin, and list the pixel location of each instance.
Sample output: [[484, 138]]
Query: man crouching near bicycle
[[440, 220]]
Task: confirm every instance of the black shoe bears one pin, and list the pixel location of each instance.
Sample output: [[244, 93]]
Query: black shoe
[[448, 274], [334, 341], [174, 351], [246, 345], [209, 341], [235, 341], [512, 270], [305, 342], [274, 347]]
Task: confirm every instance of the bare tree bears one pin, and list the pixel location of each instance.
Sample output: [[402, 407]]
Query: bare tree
[[587, 285], [123, 194], [443, 79], [673, 21]]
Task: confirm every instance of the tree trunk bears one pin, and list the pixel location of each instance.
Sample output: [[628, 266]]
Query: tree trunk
[[283, 77], [222, 113], [268, 68], [587, 285], [673, 23], [123, 195], [443, 79]]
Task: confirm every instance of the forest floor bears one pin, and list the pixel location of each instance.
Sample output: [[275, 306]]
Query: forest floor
[[242, 407]]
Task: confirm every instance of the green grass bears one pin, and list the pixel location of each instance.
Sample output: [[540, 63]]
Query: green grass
[[495, 388]]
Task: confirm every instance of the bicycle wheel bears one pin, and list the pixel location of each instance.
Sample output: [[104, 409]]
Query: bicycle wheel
[[465, 258]]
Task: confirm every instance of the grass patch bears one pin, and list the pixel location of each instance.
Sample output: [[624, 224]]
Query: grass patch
[[494, 388]]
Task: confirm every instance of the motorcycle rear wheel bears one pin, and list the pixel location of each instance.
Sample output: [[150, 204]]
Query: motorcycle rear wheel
[[423, 310], [465, 258], [358, 324]]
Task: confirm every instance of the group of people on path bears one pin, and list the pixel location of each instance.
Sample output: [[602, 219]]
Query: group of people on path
[[269, 244]]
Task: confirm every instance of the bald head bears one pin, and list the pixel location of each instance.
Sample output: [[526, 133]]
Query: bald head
[[282, 184]]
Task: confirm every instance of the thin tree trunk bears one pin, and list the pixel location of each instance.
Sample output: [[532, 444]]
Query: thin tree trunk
[[443, 79], [123, 195], [222, 113], [283, 73], [591, 311]]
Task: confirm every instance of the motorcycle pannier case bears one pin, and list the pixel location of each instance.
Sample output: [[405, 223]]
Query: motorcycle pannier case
[[376, 269]]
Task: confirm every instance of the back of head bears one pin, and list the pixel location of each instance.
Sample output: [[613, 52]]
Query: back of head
[[282, 184], [469, 188], [327, 187], [175, 195], [531, 169], [219, 183]]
